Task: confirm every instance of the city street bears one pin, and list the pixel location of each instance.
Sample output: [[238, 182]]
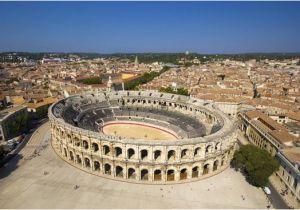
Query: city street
[[276, 199], [23, 143]]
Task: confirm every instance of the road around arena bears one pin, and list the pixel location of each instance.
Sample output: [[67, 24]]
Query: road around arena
[[38, 178]]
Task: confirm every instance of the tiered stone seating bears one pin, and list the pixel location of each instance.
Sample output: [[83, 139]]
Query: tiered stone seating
[[87, 110]]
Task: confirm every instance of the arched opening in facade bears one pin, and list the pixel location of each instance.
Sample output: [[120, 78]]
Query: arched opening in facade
[[216, 164], [118, 151], [119, 171], [218, 146], [197, 152], [223, 161], [106, 150], [77, 142], [195, 172], [208, 149], [184, 153], [170, 175], [183, 174], [157, 175], [144, 174], [71, 155], [96, 166], [107, 169], [87, 162], [157, 155], [65, 152], [131, 173], [130, 153], [78, 158], [171, 155], [69, 138], [229, 152], [95, 147], [144, 154], [205, 169], [85, 144]]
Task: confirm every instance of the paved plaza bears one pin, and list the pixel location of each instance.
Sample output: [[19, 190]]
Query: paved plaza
[[38, 178]]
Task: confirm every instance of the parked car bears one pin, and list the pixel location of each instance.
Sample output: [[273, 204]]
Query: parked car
[[267, 190], [8, 147]]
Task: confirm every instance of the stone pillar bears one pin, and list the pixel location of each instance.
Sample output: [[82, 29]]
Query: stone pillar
[[101, 166], [92, 165], [210, 169], [113, 170], [125, 169], [189, 172], [150, 174], [138, 174], [163, 175], [177, 175], [200, 170], [82, 161]]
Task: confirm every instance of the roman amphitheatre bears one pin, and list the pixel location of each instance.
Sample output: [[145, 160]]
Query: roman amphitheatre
[[142, 136]]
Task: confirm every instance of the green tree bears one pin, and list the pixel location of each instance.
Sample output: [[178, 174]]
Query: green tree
[[256, 164], [180, 91], [18, 125], [91, 81], [145, 78], [188, 64], [42, 111], [183, 91]]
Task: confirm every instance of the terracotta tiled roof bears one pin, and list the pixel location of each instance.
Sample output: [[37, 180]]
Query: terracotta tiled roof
[[45, 101], [276, 130], [294, 115], [292, 154]]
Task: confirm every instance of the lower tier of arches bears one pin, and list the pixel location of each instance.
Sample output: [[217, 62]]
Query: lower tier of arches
[[147, 174]]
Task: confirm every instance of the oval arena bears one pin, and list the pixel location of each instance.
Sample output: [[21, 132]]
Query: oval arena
[[142, 136]]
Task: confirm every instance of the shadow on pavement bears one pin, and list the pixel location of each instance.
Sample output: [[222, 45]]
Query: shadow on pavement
[[10, 166]]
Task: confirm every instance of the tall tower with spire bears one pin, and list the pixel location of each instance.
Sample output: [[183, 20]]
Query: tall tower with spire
[[109, 84], [249, 71], [136, 63]]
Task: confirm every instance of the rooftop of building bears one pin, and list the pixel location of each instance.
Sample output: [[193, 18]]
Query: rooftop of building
[[292, 154], [43, 102], [276, 130], [294, 115], [293, 126]]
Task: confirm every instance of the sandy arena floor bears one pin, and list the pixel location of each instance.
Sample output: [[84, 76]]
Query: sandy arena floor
[[137, 132]]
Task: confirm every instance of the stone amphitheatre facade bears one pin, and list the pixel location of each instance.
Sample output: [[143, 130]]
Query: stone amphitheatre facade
[[205, 138]]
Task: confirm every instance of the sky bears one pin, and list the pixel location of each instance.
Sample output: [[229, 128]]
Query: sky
[[111, 27]]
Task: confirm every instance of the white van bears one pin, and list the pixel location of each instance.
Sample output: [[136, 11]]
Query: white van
[[267, 190]]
